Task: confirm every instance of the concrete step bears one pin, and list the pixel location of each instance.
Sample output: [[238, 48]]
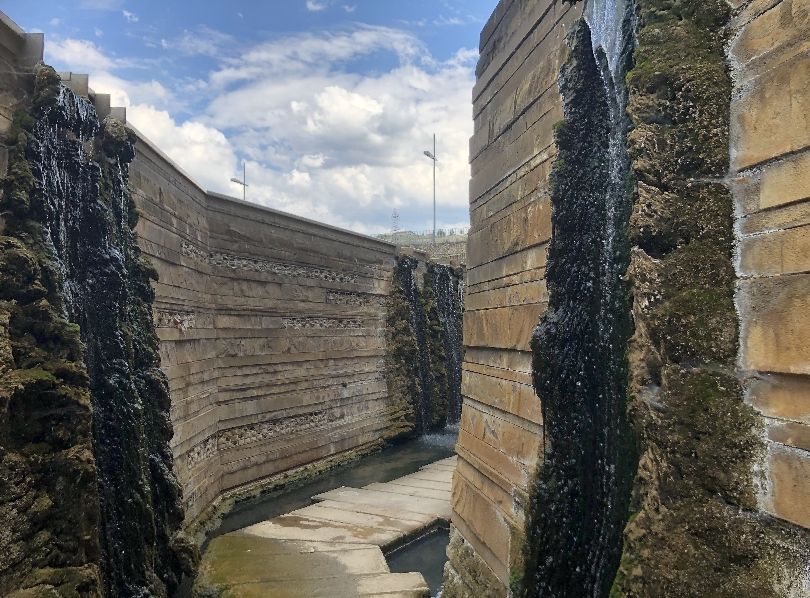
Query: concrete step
[[410, 491], [388, 585], [414, 504], [333, 547], [293, 527], [383, 511], [239, 558], [344, 513], [430, 475]]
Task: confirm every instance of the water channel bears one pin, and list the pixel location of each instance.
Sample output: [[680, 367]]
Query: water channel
[[426, 555]]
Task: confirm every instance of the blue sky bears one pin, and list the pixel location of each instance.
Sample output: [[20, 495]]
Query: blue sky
[[330, 102]]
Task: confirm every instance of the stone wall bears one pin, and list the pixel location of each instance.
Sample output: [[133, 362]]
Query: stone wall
[[516, 104], [271, 329], [770, 169]]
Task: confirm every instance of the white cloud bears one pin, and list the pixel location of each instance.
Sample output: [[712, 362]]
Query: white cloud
[[131, 17], [349, 7], [313, 160], [321, 139], [84, 56], [314, 6], [202, 151], [101, 4], [293, 107], [98, 32], [443, 20], [78, 54], [317, 52], [202, 40], [55, 22]]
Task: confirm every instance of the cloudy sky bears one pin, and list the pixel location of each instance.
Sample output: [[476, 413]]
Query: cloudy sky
[[330, 102]]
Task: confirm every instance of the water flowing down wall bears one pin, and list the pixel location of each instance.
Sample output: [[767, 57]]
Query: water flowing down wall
[[658, 474], [69, 222], [423, 368], [579, 502], [444, 304]]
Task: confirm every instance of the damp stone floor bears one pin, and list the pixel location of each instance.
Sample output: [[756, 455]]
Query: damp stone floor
[[335, 547]]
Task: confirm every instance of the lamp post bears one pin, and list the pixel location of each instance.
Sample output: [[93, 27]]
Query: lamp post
[[243, 182], [432, 156]]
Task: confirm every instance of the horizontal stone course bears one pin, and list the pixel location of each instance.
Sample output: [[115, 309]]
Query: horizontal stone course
[[770, 54], [271, 330]]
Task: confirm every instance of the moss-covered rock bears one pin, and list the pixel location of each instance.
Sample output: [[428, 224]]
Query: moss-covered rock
[[694, 528], [88, 498], [49, 504], [423, 347]]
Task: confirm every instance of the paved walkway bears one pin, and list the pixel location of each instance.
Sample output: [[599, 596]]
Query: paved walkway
[[334, 548]]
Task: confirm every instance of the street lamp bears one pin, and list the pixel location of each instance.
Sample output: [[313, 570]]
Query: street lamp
[[243, 182], [432, 156]]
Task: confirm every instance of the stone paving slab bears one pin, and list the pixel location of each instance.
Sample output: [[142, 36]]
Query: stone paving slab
[[383, 511], [426, 506], [417, 483], [387, 585], [333, 548], [411, 491]]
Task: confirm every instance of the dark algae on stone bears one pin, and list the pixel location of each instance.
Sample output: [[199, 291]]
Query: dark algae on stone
[[579, 498], [49, 504], [444, 307], [108, 507], [647, 487], [423, 346]]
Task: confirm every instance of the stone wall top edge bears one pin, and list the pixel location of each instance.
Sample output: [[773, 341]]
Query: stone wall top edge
[[144, 140], [213, 198], [493, 22], [319, 227], [10, 29], [26, 49]]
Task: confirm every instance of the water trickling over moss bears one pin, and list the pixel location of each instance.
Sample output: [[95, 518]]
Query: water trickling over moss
[[443, 304], [49, 504], [694, 529], [579, 498], [71, 211], [423, 340]]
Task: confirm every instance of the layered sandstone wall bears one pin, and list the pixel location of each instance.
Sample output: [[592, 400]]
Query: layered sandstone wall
[[770, 170], [271, 329], [516, 105], [274, 330]]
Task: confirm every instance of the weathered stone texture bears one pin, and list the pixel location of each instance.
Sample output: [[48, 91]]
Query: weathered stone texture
[[770, 128], [516, 103], [516, 106], [271, 329]]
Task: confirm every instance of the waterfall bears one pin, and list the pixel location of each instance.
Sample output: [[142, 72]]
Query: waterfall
[[82, 202], [580, 498], [447, 284], [406, 279], [425, 349]]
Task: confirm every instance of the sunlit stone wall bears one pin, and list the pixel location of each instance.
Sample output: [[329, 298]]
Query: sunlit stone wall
[[271, 329], [770, 161], [516, 103]]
